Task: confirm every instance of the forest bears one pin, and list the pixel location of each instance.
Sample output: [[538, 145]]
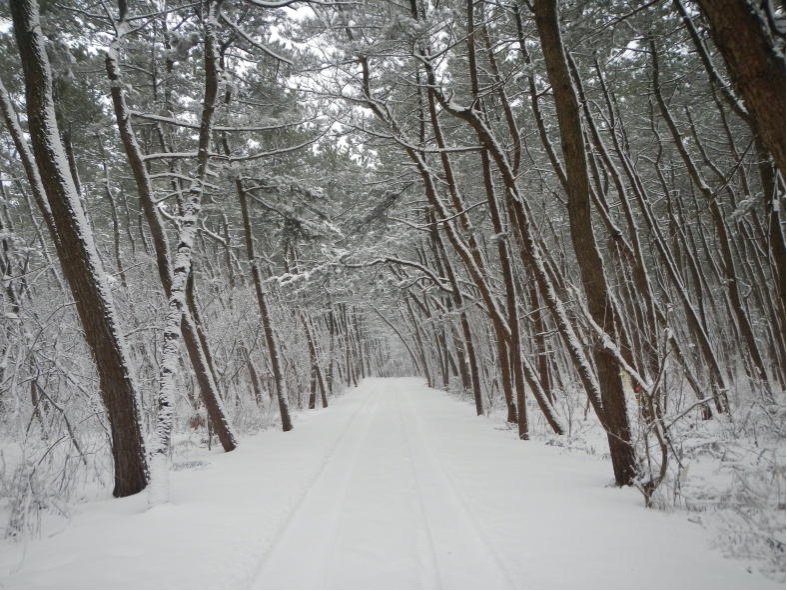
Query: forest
[[216, 215]]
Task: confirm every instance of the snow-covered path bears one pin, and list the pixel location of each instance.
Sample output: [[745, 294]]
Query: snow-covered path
[[383, 512], [393, 486]]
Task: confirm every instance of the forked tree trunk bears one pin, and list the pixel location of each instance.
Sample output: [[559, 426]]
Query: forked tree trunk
[[199, 354], [318, 381], [178, 305]]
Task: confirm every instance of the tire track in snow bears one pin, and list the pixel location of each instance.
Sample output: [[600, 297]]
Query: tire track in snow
[[336, 536], [428, 529], [451, 495], [253, 580]]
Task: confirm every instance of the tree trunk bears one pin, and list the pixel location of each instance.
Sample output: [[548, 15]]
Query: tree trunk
[[79, 258], [755, 65], [262, 304], [730, 279], [588, 256], [178, 305], [199, 354]]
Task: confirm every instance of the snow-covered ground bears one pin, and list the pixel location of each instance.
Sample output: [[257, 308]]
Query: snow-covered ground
[[394, 486]]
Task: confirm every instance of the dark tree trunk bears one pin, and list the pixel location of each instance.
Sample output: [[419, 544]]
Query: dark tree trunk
[[755, 66], [262, 304], [589, 259], [79, 259]]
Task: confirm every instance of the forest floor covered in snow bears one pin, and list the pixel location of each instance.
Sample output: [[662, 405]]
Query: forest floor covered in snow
[[393, 486]]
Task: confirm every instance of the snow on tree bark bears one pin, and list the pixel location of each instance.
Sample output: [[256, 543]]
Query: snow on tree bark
[[590, 263], [189, 326], [756, 66], [79, 257], [177, 306]]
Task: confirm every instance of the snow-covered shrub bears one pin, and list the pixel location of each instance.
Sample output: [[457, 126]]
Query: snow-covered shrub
[[731, 471]]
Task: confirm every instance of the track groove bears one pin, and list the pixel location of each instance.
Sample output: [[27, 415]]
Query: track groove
[[358, 415]]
